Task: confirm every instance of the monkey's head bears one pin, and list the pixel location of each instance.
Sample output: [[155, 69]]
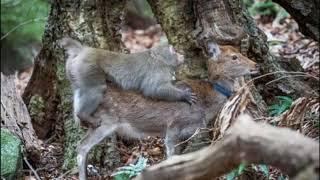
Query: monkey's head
[[169, 55], [72, 46]]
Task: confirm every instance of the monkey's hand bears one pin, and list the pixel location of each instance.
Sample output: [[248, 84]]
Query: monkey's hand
[[189, 96]]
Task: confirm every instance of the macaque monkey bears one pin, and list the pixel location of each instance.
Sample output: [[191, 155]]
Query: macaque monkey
[[151, 72]]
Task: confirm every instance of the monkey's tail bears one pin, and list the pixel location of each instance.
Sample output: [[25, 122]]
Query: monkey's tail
[[72, 46]]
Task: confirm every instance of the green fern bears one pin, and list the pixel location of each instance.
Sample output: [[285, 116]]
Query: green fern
[[282, 177], [284, 103], [264, 169], [263, 8], [236, 172], [127, 172], [318, 123], [275, 42], [266, 7]]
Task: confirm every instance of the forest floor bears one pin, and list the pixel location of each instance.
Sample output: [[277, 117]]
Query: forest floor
[[285, 41]]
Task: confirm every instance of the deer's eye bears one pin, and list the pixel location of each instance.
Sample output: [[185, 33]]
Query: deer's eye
[[234, 57]]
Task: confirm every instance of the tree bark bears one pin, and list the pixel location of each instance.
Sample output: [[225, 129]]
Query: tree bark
[[279, 147], [306, 13], [16, 118], [178, 22], [96, 24]]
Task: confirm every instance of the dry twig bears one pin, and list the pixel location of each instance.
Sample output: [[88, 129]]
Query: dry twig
[[31, 168]]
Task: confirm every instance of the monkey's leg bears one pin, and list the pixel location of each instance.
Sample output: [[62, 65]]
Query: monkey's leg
[[92, 138], [87, 103]]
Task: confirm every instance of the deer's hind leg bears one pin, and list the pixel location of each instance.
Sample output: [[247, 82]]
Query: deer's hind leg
[[92, 138], [171, 139]]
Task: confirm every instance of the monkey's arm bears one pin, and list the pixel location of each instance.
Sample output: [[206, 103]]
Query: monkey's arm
[[168, 91]]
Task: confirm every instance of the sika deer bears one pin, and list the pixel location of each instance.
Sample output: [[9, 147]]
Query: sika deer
[[129, 114]]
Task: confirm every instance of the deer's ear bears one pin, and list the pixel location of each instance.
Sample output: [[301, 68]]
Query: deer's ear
[[213, 50]]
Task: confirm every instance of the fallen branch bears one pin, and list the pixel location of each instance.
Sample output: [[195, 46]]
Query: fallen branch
[[246, 141]]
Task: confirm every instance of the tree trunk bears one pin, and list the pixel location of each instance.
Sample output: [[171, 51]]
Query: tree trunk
[[15, 117], [306, 13], [96, 24]]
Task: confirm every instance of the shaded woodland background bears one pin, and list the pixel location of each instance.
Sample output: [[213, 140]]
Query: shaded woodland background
[[278, 39]]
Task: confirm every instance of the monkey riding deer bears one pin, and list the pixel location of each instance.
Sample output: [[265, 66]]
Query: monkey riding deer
[[131, 115], [151, 72]]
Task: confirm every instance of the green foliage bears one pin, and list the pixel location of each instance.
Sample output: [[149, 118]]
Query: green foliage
[[283, 104], [242, 167], [265, 169], [144, 7], [266, 7], [248, 3], [282, 177], [127, 172], [263, 8], [282, 14], [237, 172], [36, 108], [318, 123], [275, 42], [26, 19], [11, 156]]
